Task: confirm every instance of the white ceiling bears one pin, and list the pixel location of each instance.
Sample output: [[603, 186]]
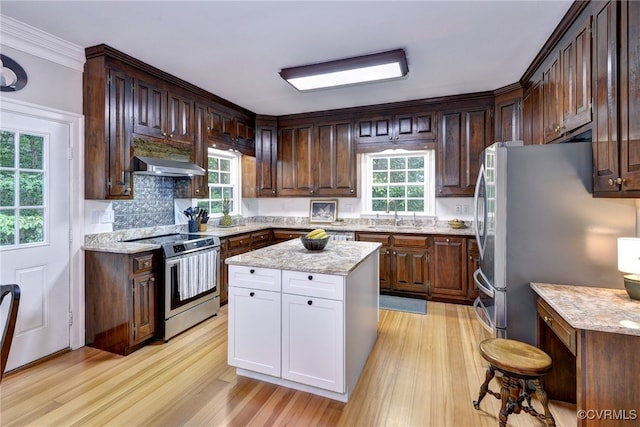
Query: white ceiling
[[235, 49]]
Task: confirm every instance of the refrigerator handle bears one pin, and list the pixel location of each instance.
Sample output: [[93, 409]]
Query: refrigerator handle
[[476, 195], [483, 283], [482, 316]]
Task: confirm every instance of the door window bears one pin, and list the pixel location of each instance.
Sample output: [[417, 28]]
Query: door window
[[22, 188]]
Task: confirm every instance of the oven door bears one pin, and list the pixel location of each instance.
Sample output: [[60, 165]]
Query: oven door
[[182, 271]]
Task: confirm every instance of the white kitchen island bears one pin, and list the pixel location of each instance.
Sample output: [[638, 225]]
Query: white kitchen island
[[304, 319]]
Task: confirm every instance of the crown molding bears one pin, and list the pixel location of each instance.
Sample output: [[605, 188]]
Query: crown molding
[[18, 35]]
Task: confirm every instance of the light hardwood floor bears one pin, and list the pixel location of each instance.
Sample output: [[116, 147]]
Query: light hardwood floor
[[423, 371]]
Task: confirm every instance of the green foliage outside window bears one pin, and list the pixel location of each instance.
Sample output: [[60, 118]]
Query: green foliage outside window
[[398, 179], [22, 188]]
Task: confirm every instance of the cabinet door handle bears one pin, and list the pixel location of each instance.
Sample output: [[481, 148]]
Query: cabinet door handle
[[548, 320], [153, 279], [310, 277], [252, 271], [397, 137], [309, 302], [164, 134], [394, 252], [251, 294]]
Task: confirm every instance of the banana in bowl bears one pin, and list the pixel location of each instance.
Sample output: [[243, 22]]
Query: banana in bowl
[[456, 223]]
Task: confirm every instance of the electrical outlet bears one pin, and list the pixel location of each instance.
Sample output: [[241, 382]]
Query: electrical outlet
[[107, 217], [458, 209], [466, 209]]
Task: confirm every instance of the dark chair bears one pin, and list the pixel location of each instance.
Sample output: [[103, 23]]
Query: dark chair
[[10, 325], [520, 364]]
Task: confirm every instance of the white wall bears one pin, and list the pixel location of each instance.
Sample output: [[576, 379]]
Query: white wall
[[48, 84], [348, 207]]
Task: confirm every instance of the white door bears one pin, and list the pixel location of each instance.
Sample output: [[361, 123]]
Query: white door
[[34, 231], [313, 341]]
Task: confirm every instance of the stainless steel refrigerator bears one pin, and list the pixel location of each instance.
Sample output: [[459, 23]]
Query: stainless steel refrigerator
[[536, 221]]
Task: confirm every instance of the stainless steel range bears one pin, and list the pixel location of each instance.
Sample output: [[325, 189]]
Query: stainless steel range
[[191, 277]]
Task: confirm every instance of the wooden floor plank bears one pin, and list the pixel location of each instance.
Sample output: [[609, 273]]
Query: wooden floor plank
[[424, 370]]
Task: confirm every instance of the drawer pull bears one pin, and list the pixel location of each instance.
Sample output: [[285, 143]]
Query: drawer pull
[[252, 294], [548, 320], [252, 271], [309, 302], [310, 277]]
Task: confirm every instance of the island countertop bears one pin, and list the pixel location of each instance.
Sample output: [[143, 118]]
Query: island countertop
[[593, 309], [338, 257]]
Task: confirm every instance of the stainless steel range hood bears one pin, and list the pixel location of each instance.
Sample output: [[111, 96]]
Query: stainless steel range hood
[[165, 167]]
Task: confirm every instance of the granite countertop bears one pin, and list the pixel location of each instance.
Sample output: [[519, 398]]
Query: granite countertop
[[116, 242], [593, 309], [338, 257]]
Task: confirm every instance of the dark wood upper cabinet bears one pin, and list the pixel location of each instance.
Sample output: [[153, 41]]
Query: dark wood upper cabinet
[[337, 169], [107, 108], [162, 114], [566, 82], [464, 134], [408, 129], [266, 147], [199, 184], [576, 77], [532, 125], [228, 129], [616, 130], [508, 114], [630, 96], [296, 161]]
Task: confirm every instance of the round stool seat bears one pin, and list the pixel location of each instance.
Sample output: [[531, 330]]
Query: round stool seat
[[515, 357]]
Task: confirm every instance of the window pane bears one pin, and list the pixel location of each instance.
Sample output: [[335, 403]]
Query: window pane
[[31, 188], [227, 192], [416, 162], [213, 164], [216, 193], [225, 178], [7, 227], [397, 176], [396, 192], [379, 205], [214, 177], [377, 192], [7, 149], [415, 191], [225, 165], [380, 177], [380, 164], [203, 204], [415, 205], [7, 188], [31, 152], [398, 205], [398, 163], [415, 176], [31, 225], [216, 207]]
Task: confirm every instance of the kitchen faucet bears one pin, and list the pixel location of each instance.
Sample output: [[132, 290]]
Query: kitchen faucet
[[396, 220]]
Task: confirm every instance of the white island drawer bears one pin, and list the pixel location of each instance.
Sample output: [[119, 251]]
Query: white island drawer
[[266, 279], [313, 285]]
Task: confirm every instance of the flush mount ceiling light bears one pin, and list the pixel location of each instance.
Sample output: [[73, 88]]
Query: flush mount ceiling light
[[350, 71]]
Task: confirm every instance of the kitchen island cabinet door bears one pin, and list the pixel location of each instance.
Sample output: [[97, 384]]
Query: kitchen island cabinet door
[[313, 341], [254, 319]]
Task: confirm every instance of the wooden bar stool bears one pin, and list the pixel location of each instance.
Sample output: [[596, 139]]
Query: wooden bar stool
[[521, 364]]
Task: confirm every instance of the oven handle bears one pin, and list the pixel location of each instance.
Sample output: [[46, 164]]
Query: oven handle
[[483, 283], [481, 314]]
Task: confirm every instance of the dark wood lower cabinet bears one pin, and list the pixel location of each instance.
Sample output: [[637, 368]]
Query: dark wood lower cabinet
[[121, 300], [404, 263], [448, 268]]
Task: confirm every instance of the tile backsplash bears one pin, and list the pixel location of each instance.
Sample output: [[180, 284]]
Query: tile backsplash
[[152, 204]]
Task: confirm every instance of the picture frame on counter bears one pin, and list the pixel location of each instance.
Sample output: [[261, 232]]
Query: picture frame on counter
[[323, 211]]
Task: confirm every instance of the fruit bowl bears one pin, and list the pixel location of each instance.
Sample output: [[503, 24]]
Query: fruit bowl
[[314, 244], [456, 223]]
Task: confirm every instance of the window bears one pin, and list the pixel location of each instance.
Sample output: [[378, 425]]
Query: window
[[22, 188], [224, 182], [402, 180]]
